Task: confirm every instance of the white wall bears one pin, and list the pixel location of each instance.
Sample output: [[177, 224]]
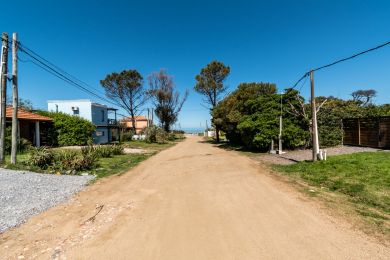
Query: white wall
[[65, 106], [87, 110]]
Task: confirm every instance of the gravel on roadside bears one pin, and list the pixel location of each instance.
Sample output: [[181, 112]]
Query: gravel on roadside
[[23, 194]]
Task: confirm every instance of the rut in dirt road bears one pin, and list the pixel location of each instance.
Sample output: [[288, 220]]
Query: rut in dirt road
[[196, 201]]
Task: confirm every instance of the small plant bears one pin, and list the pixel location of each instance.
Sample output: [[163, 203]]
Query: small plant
[[41, 157], [117, 149]]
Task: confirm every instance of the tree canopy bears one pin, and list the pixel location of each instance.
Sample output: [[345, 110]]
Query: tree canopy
[[126, 90], [168, 102]]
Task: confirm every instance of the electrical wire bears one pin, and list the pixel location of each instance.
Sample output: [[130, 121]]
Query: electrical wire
[[37, 61]]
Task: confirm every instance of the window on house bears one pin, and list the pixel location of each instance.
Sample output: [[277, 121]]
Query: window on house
[[76, 112], [102, 115], [56, 108]]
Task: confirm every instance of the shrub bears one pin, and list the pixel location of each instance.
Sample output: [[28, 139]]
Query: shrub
[[41, 157], [150, 134], [127, 136], [70, 130], [71, 160], [117, 149], [161, 136]]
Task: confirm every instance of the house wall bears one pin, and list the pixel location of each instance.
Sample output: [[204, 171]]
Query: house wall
[[100, 136], [95, 113], [99, 114]]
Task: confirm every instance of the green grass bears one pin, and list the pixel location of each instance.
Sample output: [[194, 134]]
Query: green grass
[[117, 164], [363, 177]]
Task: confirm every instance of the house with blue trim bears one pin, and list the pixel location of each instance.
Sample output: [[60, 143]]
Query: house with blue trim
[[102, 116]]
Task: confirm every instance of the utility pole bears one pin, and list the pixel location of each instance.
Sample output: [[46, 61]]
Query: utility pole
[[148, 121], [152, 116], [315, 142], [3, 93], [280, 149], [14, 142]]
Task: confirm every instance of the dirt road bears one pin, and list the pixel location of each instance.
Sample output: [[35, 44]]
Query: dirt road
[[192, 201]]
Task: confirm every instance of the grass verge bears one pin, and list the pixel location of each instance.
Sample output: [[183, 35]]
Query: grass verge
[[363, 179], [115, 164]]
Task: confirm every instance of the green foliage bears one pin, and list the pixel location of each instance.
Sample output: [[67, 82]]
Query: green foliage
[[210, 85], [150, 134], [70, 130], [24, 145], [41, 157], [127, 136], [126, 89], [161, 136], [71, 161], [250, 116], [154, 134]]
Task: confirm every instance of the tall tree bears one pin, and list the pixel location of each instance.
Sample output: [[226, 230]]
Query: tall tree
[[167, 101], [210, 84], [126, 90], [364, 97]]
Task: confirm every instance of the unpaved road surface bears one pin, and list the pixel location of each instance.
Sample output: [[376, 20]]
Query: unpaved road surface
[[192, 201]]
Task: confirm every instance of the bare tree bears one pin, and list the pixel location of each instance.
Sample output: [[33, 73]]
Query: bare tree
[[210, 84], [364, 97], [167, 101], [126, 90]]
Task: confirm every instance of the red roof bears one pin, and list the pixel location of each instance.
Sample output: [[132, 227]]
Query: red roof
[[25, 115]]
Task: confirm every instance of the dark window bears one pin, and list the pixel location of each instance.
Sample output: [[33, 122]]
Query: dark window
[[102, 115], [76, 112]]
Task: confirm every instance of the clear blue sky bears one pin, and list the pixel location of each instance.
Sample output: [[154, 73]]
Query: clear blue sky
[[269, 41]]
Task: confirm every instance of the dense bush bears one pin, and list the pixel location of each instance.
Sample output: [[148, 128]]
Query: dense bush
[[71, 161], [150, 134], [70, 130], [41, 157], [154, 134], [250, 116]]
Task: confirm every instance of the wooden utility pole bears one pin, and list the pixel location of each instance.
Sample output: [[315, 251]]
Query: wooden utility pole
[[3, 93], [314, 119], [14, 142]]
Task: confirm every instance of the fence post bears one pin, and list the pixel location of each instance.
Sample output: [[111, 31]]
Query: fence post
[[359, 131]]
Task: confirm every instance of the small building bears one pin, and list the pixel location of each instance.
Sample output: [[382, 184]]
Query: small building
[[141, 122], [102, 116], [31, 126]]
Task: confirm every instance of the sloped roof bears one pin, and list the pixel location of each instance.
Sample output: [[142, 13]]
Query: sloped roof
[[26, 115]]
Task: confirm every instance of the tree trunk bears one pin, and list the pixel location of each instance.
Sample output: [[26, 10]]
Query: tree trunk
[[133, 122], [217, 133]]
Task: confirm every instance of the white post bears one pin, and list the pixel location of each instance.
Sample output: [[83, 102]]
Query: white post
[[37, 135]]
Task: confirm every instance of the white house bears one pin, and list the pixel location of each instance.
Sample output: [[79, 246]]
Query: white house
[[107, 130]]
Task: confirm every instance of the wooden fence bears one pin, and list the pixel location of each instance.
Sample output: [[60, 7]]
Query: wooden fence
[[371, 132]]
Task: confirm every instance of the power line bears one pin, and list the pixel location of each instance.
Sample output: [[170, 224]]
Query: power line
[[340, 60], [37, 60], [353, 56], [56, 67]]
